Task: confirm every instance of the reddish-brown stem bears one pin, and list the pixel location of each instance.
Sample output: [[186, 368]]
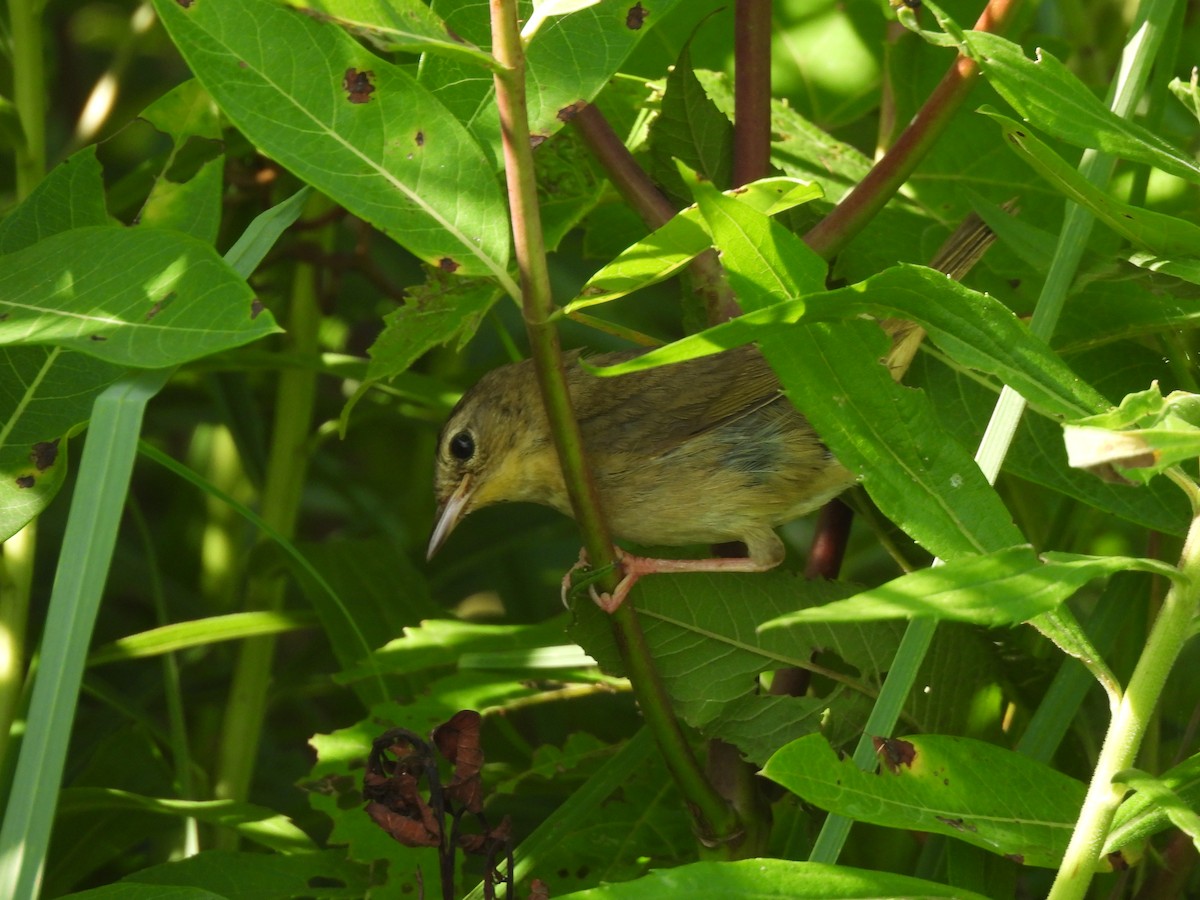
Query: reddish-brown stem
[[870, 195], [707, 278], [752, 91], [829, 542], [629, 178]]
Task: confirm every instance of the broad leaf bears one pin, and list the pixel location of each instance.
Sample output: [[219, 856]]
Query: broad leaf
[[970, 790], [404, 25], [668, 249], [46, 392], [351, 124], [129, 296], [568, 61], [1147, 434], [974, 329], [1002, 588], [700, 629], [1053, 99], [772, 879], [1151, 231]]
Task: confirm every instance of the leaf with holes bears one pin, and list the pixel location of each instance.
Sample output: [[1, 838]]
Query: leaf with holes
[[352, 125]]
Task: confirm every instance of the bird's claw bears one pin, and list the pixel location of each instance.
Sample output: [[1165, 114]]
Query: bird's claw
[[606, 601]]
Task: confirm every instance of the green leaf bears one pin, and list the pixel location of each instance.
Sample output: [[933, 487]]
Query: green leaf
[[976, 330], [189, 203], [256, 241], [1002, 588], [396, 25], [130, 296], [1147, 434], [921, 479], [439, 643], [46, 392], [1155, 232], [701, 630], [1117, 305], [1160, 792], [33, 452], [256, 823], [70, 196], [326, 875], [1049, 96], [433, 314], [200, 633], [1187, 269], [568, 62], [690, 128], [764, 261], [1143, 814], [391, 155], [1060, 626], [668, 249], [771, 879], [970, 790], [83, 564], [1188, 92], [1038, 454]]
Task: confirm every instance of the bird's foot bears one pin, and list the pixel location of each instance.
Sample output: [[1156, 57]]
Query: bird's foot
[[634, 567], [606, 601]]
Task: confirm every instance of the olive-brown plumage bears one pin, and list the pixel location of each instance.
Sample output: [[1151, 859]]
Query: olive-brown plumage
[[700, 452]]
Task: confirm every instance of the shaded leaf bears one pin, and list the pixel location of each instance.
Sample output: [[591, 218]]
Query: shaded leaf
[[771, 879]]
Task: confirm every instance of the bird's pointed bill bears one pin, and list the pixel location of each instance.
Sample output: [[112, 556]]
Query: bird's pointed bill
[[449, 514]]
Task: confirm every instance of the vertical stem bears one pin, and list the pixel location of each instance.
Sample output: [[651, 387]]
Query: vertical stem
[[752, 91], [29, 91], [1128, 725], [287, 466], [16, 564], [715, 822]]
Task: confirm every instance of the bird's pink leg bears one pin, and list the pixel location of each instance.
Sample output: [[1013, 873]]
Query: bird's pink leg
[[635, 567]]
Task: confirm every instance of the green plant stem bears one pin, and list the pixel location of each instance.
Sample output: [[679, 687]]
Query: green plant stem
[[16, 566], [29, 91], [16, 586], [715, 821], [871, 194], [1128, 725], [172, 684], [287, 466]]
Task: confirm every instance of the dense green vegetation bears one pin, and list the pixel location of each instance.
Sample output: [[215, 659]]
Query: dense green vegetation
[[253, 251]]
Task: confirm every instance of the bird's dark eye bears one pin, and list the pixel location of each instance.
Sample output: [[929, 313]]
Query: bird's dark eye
[[462, 446]]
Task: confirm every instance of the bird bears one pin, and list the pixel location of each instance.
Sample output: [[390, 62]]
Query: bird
[[704, 451]]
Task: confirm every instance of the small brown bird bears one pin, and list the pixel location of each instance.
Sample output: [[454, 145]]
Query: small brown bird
[[700, 452]]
